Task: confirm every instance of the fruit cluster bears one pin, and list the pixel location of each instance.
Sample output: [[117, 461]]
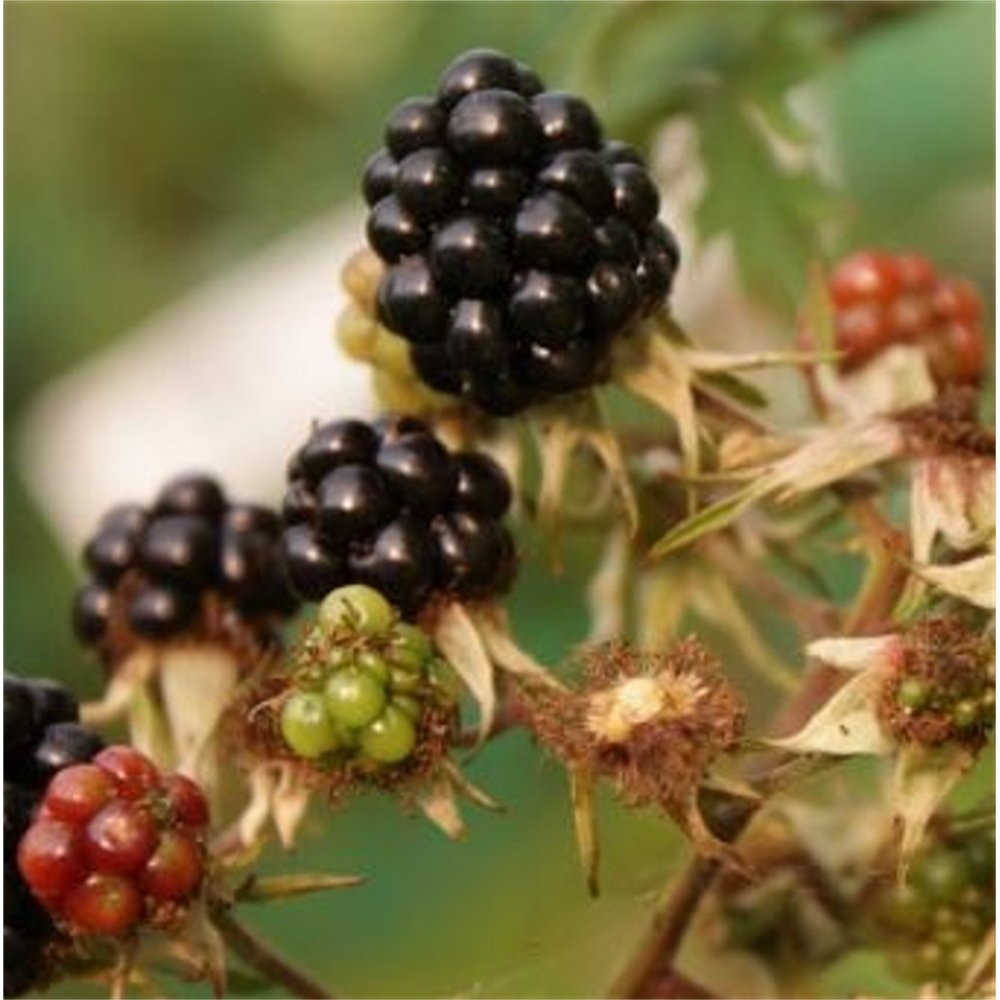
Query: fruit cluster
[[387, 505], [365, 688], [943, 686], [151, 570], [115, 844], [519, 244], [879, 300], [41, 736], [934, 923]]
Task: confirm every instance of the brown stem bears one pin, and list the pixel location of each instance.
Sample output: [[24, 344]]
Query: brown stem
[[655, 955], [252, 950]]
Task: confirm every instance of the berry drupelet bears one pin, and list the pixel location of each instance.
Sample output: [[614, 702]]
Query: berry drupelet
[[42, 740], [192, 562], [387, 505], [517, 242], [880, 300], [115, 844]]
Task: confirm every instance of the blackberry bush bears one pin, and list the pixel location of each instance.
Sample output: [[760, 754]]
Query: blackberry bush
[[387, 505], [42, 740], [517, 259], [518, 242], [192, 563]]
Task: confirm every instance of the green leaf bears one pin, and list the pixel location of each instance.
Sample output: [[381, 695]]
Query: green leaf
[[735, 388], [770, 214], [713, 518]]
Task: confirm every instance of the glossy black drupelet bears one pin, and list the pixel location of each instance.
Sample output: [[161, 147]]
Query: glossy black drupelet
[[157, 564], [41, 736], [518, 243], [386, 504]]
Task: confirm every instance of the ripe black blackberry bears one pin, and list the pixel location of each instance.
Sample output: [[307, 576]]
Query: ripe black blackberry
[[41, 736], [518, 244], [387, 505], [191, 562]]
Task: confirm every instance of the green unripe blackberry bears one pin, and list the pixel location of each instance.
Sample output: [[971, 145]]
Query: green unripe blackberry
[[307, 727], [362, 695], [354, 697], [375, 664], [356, 607], [410, 647], [913, 694], [941, 875], [390, 738]]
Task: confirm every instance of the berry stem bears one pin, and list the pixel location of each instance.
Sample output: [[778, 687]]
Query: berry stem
[[252, 950]]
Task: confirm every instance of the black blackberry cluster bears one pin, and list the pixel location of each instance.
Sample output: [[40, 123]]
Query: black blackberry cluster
[[518, 242], [41, 735], [151, 568], [387, 505]]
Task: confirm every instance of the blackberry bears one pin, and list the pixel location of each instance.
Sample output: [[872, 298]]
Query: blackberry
[[518, 243], [387, 505], [41, 737], [154, 572]]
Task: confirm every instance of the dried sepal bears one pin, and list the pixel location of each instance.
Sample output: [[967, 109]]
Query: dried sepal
[[266, 888], [826, 458], [608, 588], [461, 642], [847, 724], [197, 683], [563, 431], [582, 781], [438, 800], [897, 378], [922, 778], [972, 581], [494, 629], [954, 500]]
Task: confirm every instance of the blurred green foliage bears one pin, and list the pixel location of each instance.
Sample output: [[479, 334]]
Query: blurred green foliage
[[151, 145]]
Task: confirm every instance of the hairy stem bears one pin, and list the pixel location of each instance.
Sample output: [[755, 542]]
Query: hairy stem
[[260, 956]]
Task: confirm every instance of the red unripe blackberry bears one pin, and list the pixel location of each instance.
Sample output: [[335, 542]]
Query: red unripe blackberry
[[498, 207], [120, 838], [112, 842], [153, 569], [175, 869], [104, 904], [380, 515], [188, 802], [135, 775], [78, 793], [51, 858], [881, 299], [42, 738]]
